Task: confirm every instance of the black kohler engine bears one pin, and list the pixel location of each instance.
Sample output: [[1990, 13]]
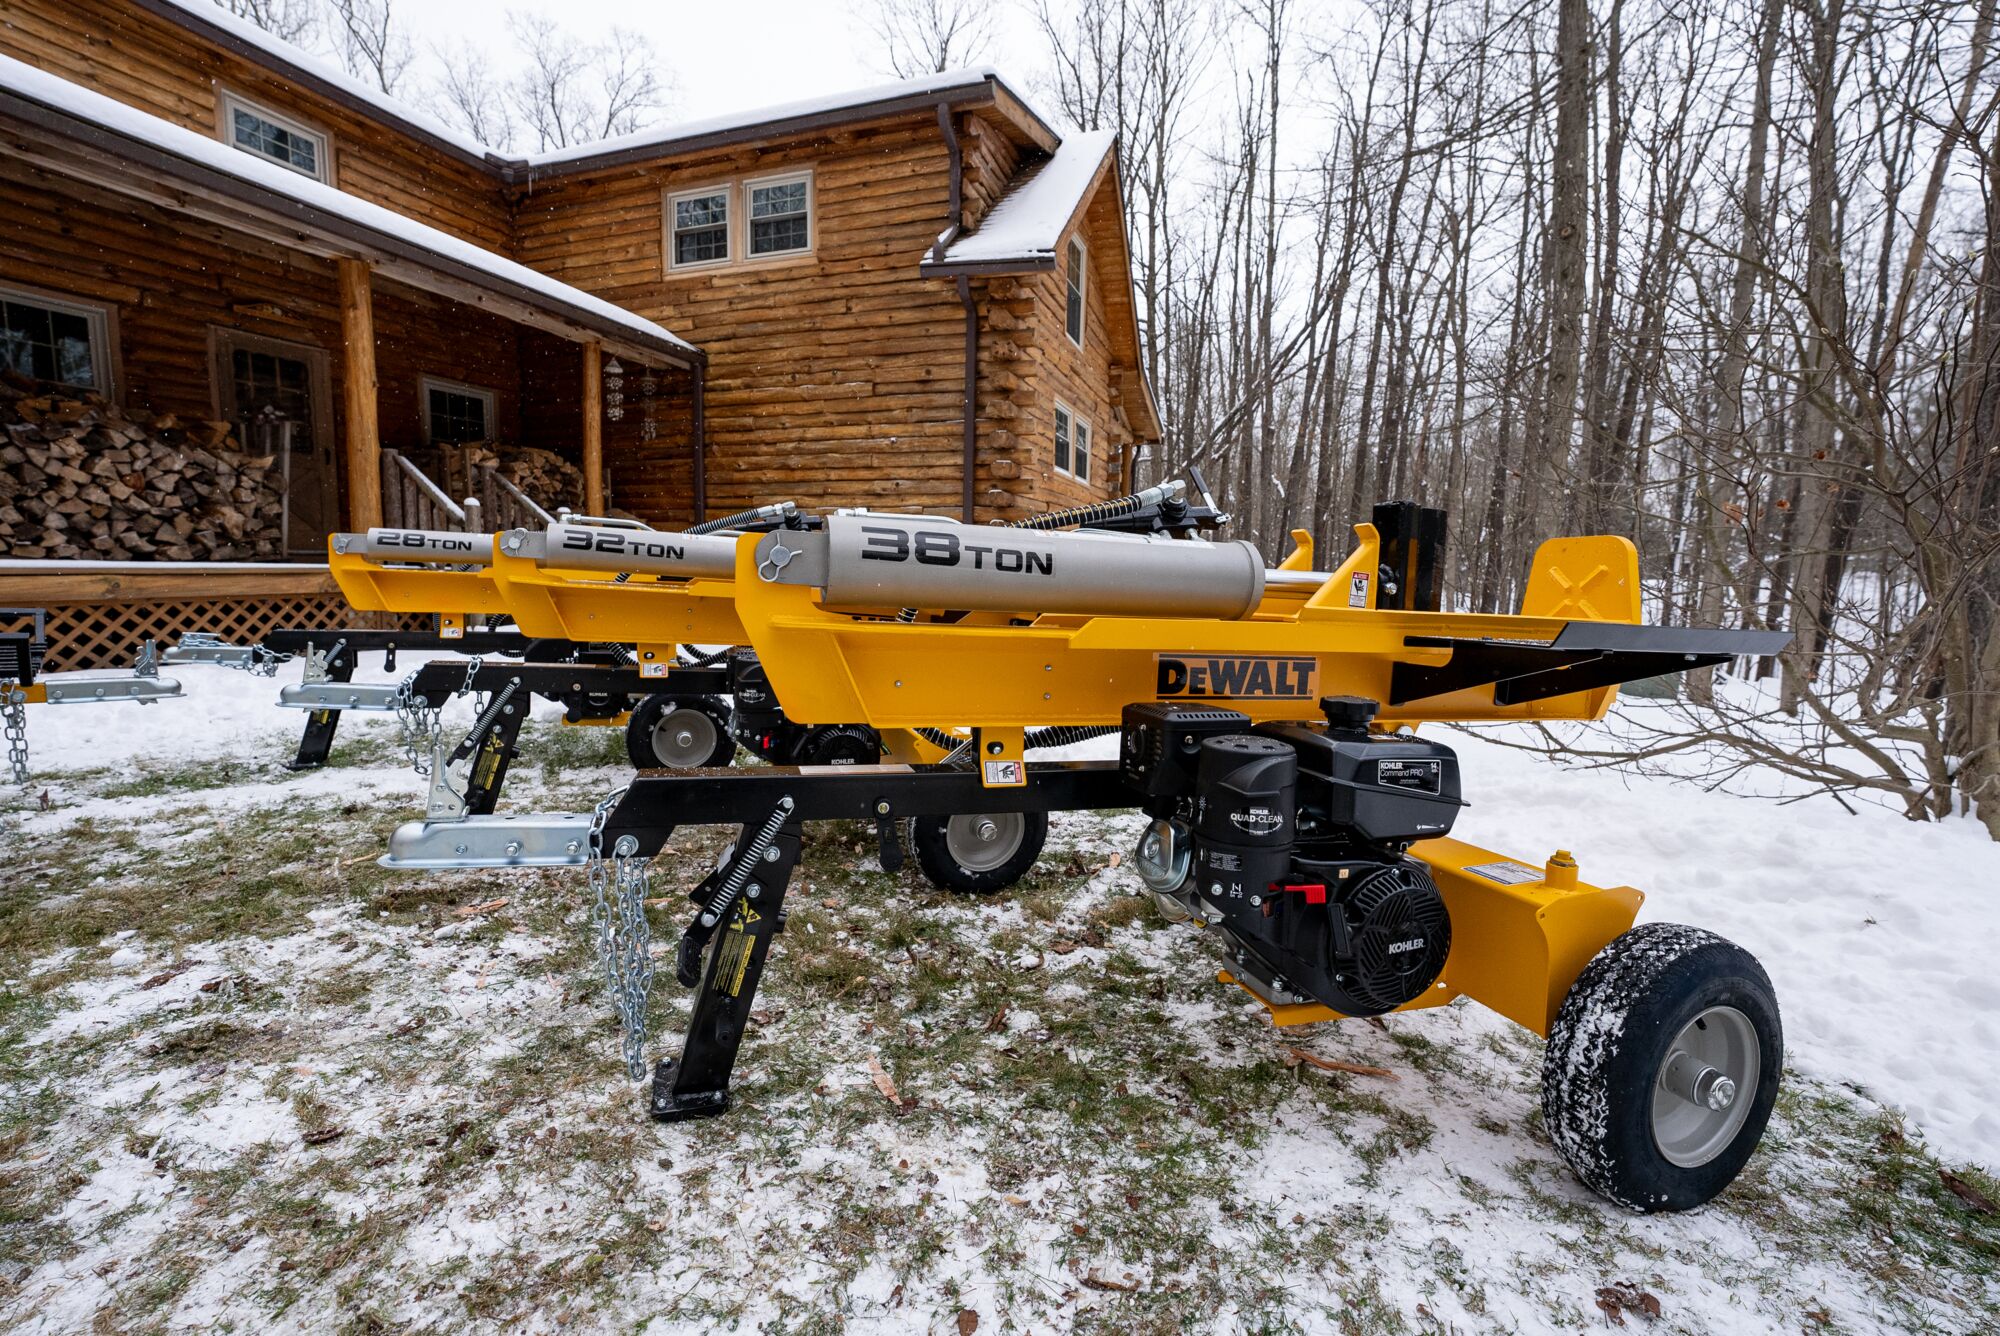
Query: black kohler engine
[[1290, 838]]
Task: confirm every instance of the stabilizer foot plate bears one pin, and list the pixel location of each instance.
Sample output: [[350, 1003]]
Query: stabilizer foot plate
[[339, 696]]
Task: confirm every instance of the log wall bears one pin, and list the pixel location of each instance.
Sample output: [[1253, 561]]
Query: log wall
[[121, 51]]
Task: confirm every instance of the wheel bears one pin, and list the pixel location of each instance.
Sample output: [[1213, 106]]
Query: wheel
[[978, 854], [840, 744], [679, 733], [1662, 1067]]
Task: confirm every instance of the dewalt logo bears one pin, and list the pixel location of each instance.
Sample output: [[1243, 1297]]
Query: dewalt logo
[[1236, 677]]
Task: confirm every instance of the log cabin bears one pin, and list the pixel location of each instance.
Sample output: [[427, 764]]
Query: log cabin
[[246, 300]]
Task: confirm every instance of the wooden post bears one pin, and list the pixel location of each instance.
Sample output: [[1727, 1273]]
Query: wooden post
[[364, 440], [593, 428]]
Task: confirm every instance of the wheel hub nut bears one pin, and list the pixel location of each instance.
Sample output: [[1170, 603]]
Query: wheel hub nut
[[1698, 1083], [987, 830]]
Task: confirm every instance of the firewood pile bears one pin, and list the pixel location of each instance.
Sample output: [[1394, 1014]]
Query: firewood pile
[[82, 478], [549, 480]]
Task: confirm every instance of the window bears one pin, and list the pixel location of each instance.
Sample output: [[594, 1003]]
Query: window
[[62, 342], [454, 413], [1073, 310], [263, 132], [778, 215], [740, 222], [1080, 452], [1062, 439], [700, 224]]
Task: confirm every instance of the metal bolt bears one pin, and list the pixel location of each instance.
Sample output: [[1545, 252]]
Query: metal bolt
[[459, 849], [881, 808], [513, 848], [771, 855], [1256, 901], [986, 830]]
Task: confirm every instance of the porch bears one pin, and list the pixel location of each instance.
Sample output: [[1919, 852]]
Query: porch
[[309, 353]]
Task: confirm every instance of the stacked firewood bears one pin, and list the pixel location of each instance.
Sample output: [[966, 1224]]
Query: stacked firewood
[[82, 478], [548, 479]]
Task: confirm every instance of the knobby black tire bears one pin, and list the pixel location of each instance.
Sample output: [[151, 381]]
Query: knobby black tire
[[1608, 1045]]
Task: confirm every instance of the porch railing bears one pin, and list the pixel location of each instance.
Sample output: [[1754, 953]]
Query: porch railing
[[411, 500]]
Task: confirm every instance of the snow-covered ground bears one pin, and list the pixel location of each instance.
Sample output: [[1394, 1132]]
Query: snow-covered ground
[[1101, 1137]]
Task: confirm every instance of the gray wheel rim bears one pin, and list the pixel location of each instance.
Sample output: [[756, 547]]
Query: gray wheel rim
[[684, 737], [982, 843], [1719, 1046]]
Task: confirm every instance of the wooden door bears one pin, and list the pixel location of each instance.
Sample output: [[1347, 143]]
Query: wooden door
[[278, 395]]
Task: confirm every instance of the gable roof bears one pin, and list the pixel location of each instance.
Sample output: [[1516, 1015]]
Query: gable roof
[[1023, 229], [976, 86], [314, 215]]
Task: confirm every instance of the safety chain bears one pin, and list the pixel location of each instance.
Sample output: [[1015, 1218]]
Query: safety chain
[[421, 725], [619, 889], [263, 662], [14, 716]]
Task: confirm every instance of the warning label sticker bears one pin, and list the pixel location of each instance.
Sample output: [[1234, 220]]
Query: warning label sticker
[[1357, 590], [1507, 874], [1005, 774]]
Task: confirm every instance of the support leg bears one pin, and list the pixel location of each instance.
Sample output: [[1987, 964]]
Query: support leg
[[496, 752], [696, 1084], [317, 741]]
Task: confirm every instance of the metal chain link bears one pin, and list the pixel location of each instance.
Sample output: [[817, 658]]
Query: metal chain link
[[14, 717], [422, 726], [620, 887], [262, 662]]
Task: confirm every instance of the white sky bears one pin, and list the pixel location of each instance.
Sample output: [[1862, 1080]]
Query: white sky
[[724, 55]]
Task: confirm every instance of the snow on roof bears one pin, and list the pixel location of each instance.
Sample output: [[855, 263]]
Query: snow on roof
[[73, 100], [209, 13], [1025, 226], [206, 13], [664, 137]]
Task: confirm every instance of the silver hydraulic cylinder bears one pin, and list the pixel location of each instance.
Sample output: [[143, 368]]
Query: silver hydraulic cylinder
[[585, 547], [901, 561], [426, 545]]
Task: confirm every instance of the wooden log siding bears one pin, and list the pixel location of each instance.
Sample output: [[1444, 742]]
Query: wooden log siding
[[170, 279], [147, 62], [836, 377], [1040, 359]]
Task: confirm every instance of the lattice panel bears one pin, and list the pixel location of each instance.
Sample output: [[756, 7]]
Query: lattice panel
[[107, 635]]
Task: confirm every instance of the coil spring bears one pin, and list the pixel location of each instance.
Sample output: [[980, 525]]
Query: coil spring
[[754, 515], [1078, 515], [1065, 735]]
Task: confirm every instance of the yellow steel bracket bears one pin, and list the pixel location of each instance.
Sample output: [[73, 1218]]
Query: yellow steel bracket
[[655, 660], [451, 626], [1520, 934], [1593, 579], [1300, 558], [34, 695], [369, 587], [1353, 585], [1003, 757]]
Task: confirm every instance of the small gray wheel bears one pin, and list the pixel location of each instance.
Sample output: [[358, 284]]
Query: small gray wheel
[[978, 852], [679, 733], [1707, 1086], [982, 843], [684, 738]]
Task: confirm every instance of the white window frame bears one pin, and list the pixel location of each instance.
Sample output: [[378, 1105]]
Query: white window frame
[[103, 322], [726, 189], [425, 384], [1081, 254], [748, 186], [233, 101], [1079, 430]]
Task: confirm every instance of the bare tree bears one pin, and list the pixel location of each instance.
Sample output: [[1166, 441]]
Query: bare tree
[[293, 20], [470, 96], [931, 36], [371, 41], [573, 92]]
